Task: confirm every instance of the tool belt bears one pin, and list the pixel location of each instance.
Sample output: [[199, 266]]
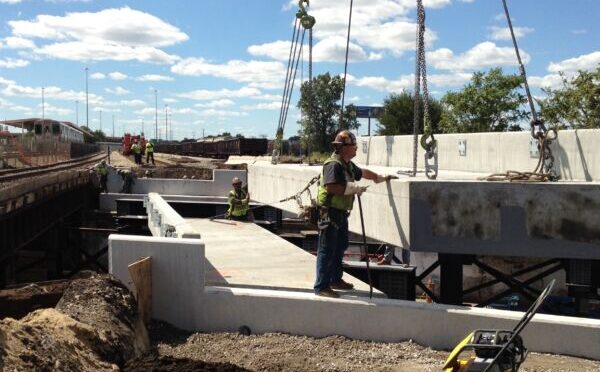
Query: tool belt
[[325, 220]]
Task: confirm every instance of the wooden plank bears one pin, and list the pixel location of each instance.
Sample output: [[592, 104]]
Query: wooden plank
[[141, 274]]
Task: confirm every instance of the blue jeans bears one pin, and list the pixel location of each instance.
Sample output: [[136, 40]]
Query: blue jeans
[[333, 242]]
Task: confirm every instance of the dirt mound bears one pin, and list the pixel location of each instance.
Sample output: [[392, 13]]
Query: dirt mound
[[156, 363], [48, 340], [94, 327]]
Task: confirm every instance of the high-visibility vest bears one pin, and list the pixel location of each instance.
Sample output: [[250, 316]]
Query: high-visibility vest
[[237, 209], [342, 202], [136, 149], [102, 170], [149, 148]]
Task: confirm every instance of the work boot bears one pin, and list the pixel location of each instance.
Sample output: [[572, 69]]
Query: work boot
[[343, 285], [327, 292]]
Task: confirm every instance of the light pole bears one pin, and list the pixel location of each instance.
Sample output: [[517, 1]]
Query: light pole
[[87, 102], [156, 114], [166, 122], [43, 106], [142, 127], [113, 131], [77, 112]]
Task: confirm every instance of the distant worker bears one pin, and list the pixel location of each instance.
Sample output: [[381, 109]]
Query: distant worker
[[337, 187], [102, 172], [136, 149], [239, 202], [128, 180], [149, 152]]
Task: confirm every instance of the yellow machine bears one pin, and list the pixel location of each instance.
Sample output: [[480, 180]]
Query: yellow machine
[[494, 350]]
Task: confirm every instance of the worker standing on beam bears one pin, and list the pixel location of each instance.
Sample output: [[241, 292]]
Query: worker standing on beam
[[239, 202], [337, 188]]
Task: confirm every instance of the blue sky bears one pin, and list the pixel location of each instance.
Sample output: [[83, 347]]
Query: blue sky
[[219, 65]]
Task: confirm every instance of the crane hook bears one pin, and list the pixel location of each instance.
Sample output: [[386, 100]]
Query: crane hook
[[306, 20]]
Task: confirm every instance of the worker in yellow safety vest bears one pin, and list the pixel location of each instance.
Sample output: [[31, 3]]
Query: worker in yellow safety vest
[[239, 202], [337, 188], [102, 172], [149, 152], [137, 152]]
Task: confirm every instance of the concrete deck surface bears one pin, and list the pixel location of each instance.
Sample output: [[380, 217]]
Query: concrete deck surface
[[241, 254]]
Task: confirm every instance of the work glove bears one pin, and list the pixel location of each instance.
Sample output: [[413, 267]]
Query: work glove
[[354, 189], [387, 178]]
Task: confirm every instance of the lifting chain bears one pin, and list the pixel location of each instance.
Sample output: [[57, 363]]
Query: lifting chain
[[428, 141], [544, 170]]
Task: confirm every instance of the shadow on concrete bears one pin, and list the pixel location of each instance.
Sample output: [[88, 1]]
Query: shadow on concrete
[[212, 276], [586, 171], [394, 208], [389, 142]]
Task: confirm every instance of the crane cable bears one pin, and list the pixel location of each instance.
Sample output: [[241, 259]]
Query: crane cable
[[428, 141], [306, 22], [342, 123], [544, 169]]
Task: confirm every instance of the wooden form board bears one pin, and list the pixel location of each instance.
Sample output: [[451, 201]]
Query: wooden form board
[[141, 274]]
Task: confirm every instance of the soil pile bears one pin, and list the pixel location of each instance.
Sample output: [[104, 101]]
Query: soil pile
[[94, 327]]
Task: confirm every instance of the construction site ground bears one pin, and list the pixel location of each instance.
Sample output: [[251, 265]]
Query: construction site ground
[[95, 327], [172, 166]]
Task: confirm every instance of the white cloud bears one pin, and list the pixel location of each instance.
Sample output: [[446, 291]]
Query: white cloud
[[154, 77], [132, 103], [111, 34], [221, 113], [482, 55], [97, 76], [50, 109], [10, 1], [406, 82], [4, 81], [209, 95], [170, 100], [146, 111], [13, 63], [13, 42], [263, 106], [117, 76], [51, 92], [579, 31], [572, 65], [569, 67], [503, 33], [256, 73], [216, 104], [119, 91]]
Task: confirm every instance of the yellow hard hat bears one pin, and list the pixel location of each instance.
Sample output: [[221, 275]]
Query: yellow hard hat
[[344, 137]]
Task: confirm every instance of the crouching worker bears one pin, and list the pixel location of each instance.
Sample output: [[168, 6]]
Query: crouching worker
[[239, 203], [337, 188], [101, 170]]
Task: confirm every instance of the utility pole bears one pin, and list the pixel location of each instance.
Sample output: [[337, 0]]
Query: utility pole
[[43, 107], [156, 114], [142, 127], [77, 112], [166, 122], [100, 120], [113, 131], [87, 102]]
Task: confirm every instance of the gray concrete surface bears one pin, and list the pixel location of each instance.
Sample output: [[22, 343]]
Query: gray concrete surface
[[180, 298], [177, 274], [164, 221], [242, 254]]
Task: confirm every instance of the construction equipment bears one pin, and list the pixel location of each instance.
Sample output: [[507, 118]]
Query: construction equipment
[[495, 350]]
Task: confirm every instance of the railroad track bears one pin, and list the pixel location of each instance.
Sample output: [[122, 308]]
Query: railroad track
[[16, 174]]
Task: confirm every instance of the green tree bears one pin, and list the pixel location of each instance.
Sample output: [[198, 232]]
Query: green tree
[[92, 136], [489, 103], [577, 104], [398, 114], [319, 99]]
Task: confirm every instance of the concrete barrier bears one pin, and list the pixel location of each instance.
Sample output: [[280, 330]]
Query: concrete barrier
[[177, 274], [218, 186], [575, 152], [180, 298], [163, 221]]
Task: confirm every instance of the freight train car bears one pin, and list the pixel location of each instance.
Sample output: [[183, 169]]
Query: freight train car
[[242, 146], [219, 149]]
